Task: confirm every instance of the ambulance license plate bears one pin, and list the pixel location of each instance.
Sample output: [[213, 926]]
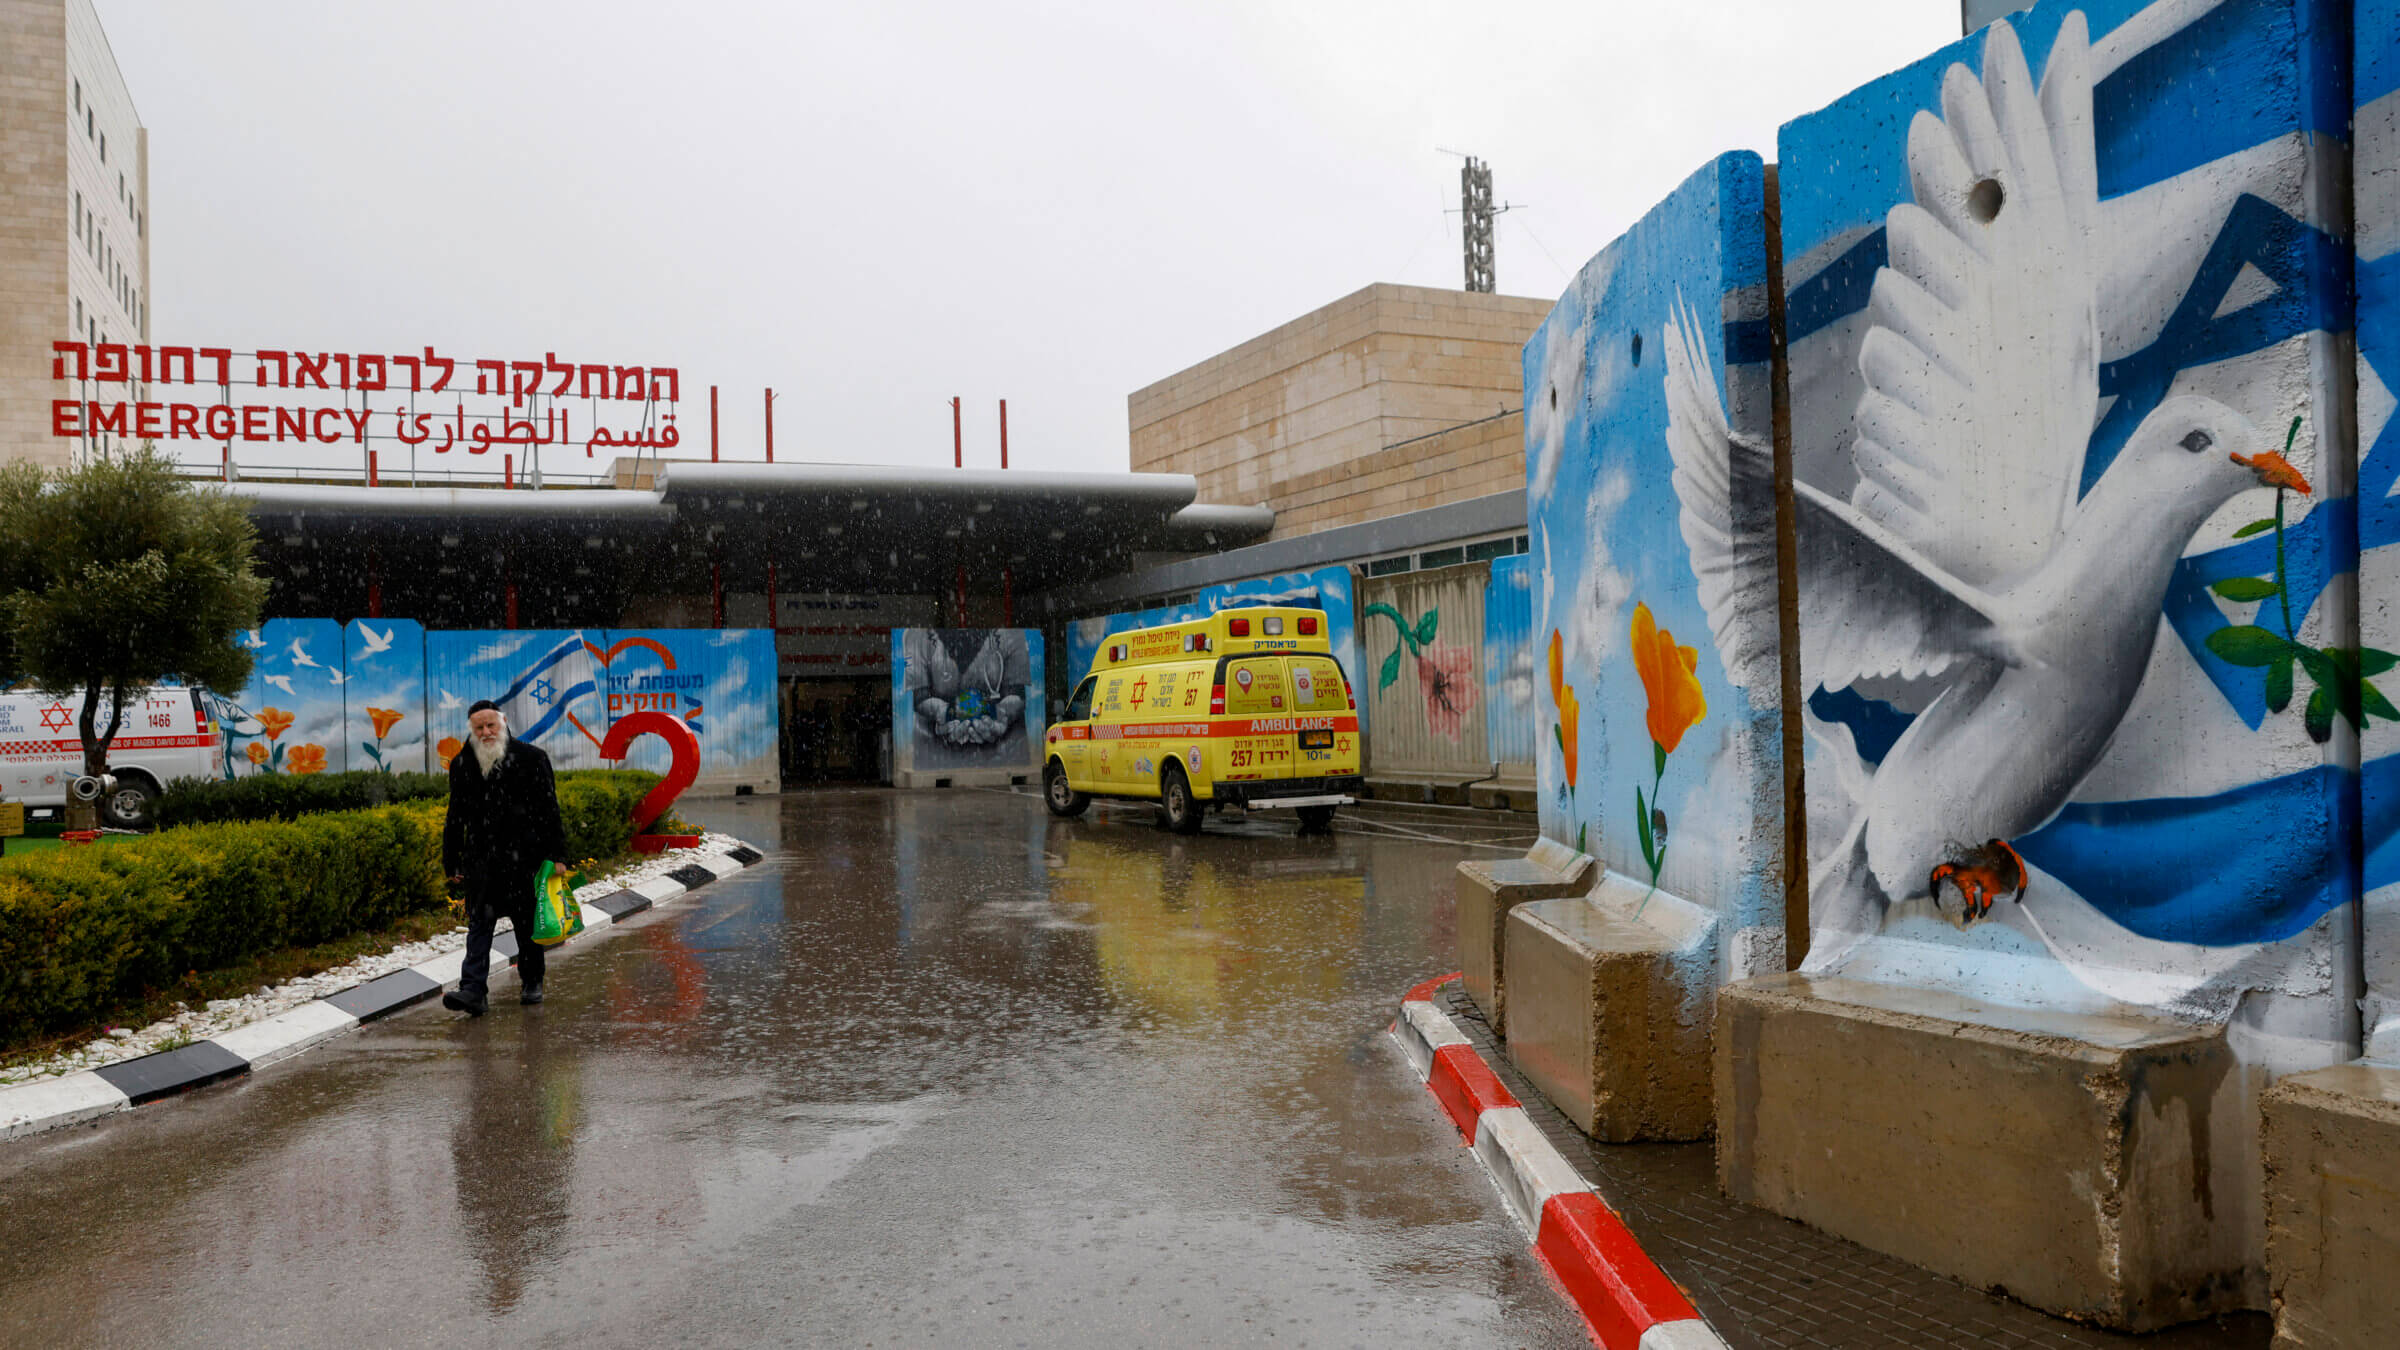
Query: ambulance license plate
[[1316, 740]]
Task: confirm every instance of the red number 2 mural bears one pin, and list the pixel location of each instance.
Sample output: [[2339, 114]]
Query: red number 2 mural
[[684, 767]]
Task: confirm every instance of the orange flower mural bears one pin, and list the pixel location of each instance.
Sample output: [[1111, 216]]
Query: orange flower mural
[[257, 753], [1567, 711], [383, 720], [275, 722], [1562, 697], [1671, 684], [308, 759], [447, 749], [1669, 679]]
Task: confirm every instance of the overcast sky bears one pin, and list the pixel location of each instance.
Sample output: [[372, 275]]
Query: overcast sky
[[873, 207]]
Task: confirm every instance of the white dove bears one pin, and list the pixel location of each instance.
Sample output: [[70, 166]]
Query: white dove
[[337, 676], [252, 640], [450, 702], [1964, 563], [283, 682], [377, 644], [300, 656]]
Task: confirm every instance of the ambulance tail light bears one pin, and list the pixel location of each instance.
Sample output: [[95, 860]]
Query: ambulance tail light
[[1237, 628], [1308, 627], [1347, 696], [1216, 701]]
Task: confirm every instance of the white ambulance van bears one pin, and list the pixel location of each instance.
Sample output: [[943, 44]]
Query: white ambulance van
[[170, 735]]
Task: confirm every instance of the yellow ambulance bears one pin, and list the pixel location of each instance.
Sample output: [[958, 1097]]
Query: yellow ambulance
[[1245, 708]]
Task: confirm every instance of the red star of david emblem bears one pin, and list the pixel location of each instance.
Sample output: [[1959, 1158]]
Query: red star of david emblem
[[56, 717], [1138, 687]]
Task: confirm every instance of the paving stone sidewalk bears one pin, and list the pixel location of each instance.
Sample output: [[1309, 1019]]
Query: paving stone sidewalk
[[1766, 1281]]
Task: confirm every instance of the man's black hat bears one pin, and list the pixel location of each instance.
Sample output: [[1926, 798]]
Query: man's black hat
[[481, 704]]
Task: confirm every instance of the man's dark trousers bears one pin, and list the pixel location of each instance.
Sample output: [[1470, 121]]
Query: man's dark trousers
[[493, 895]]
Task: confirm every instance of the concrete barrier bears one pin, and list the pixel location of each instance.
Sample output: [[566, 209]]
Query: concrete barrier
[[2089, 1165], [1611, 1009], [1487, 890], [2333, 1206]]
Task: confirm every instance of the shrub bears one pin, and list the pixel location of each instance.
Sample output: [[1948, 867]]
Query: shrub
[[285, 796], [84, 930], [593, 803]]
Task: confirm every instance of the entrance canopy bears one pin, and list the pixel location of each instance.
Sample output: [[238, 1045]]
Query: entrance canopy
[[577, 556]]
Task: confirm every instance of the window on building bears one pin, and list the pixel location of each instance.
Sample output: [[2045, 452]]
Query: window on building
[[1384, 567], [1441, 557], [88, 133], [1490, 549], [1521, 543], [79, 96], [104, 147], [79, 315]]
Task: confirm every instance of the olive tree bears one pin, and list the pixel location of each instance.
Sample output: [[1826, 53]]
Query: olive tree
[[115, 576]]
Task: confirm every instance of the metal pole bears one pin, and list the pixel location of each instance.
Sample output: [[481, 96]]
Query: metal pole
[[1004, 433], [712, 424], [958, 438], [770, 432]]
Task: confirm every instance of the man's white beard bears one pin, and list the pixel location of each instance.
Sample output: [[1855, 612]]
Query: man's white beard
[[489, 755]]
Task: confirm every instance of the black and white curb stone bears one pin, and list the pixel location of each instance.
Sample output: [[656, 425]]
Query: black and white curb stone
[[47, 1104]]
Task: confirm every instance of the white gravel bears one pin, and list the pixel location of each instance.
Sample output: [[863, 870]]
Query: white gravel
[[225, 1014]]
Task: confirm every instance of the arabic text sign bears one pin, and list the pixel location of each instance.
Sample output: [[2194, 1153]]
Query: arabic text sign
[[530, 417]]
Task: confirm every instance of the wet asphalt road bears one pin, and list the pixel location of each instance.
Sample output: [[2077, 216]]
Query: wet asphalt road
[[942, 1072]]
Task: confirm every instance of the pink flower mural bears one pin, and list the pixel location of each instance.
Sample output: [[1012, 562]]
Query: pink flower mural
[[1446, 672]]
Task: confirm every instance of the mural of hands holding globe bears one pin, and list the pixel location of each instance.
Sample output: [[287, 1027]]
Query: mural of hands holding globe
[[966, 685]]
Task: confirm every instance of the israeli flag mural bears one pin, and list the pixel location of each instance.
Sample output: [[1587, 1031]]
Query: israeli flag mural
[[2375, 189], [544, 682], [2077, 513]]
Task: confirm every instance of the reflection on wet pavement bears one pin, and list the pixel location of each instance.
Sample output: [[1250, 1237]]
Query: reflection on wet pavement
[[943, 1071]]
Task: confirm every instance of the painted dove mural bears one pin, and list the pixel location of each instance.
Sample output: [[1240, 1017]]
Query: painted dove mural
[[2072, 664]]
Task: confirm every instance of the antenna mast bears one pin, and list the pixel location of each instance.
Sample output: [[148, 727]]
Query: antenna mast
[[1475, 208]]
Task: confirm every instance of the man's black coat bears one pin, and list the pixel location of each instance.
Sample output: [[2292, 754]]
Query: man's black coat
[[506, 824]]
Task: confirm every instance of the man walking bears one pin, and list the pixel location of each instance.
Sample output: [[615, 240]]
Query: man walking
[[503, 823]]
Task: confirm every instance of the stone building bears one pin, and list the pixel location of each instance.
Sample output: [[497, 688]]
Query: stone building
[[74, 214]]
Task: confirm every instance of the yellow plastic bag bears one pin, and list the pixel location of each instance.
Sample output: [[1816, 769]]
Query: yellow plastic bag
[[556, 916]]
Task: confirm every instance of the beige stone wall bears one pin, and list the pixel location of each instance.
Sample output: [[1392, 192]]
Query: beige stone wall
[[33, 222], [1389, 399]]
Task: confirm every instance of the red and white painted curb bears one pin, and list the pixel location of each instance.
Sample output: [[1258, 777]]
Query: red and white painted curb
[[1628, 1302]]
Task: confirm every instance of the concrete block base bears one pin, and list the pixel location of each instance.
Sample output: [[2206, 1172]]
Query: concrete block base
[[1424, 789], [1505, 794], [2333, 1206], [1487, 890], [1608, 1013], [965, 778], [2098, 1167]]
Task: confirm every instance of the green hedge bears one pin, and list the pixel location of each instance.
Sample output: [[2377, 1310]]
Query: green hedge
[[593, 802], [288, 796], [85, 930]]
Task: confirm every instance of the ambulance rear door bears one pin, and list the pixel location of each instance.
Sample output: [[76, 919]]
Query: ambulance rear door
[[1327, 724], [1258, 706]]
